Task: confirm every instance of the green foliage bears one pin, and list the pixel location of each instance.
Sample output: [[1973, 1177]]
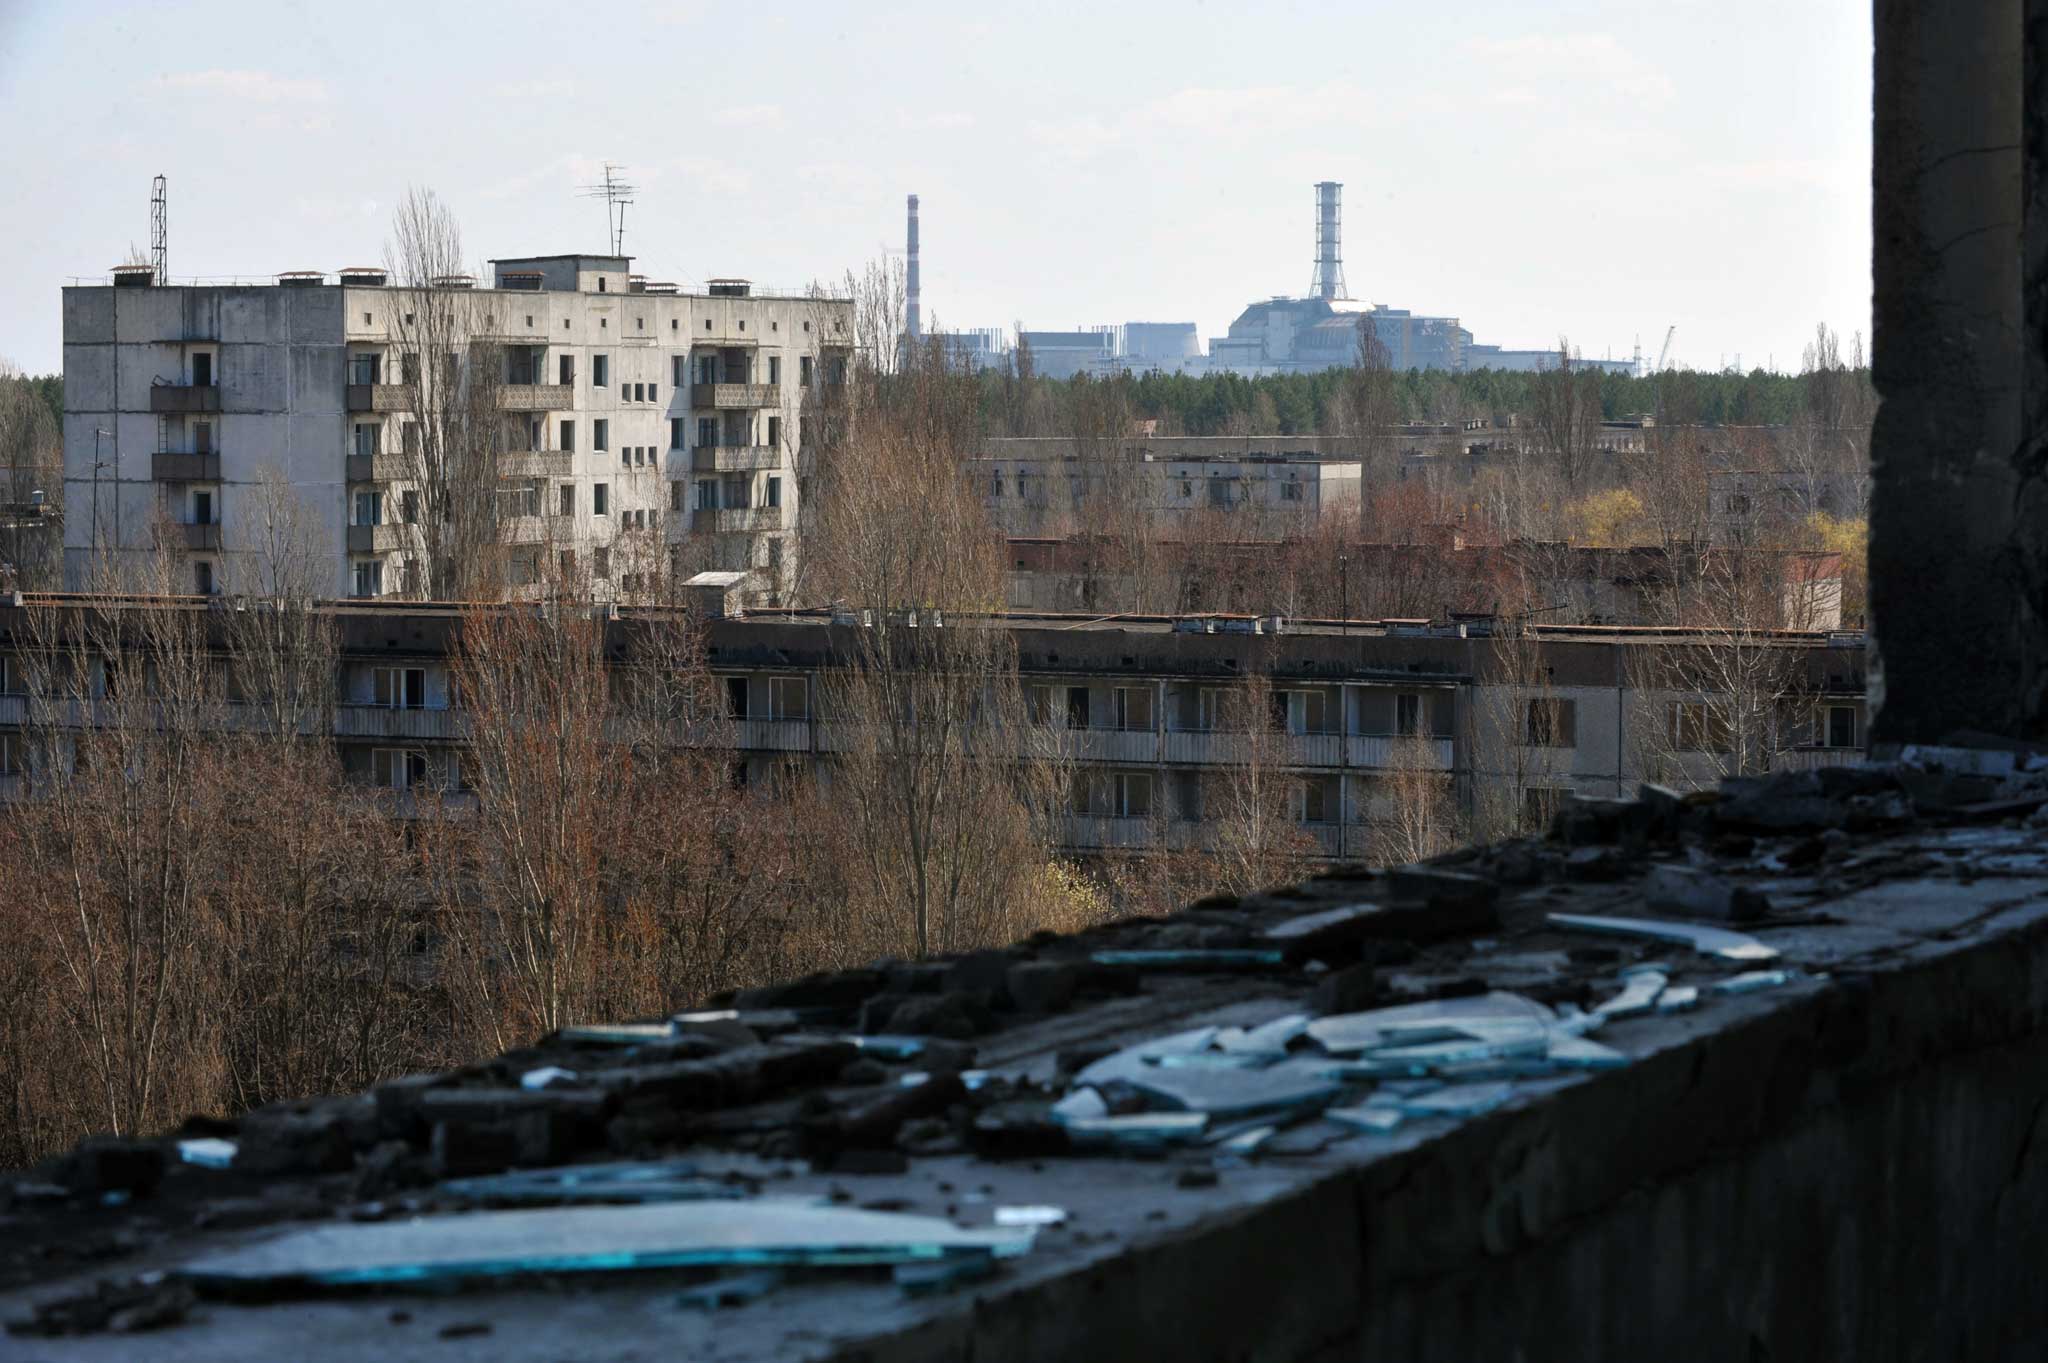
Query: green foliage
[[1305, 404]]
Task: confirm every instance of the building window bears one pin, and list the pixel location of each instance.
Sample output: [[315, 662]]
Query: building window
[[202, 437], [1290, 492], [675, 496], [1550, 723], [1695, 727], [565, 564], [202, 577], [1842, 727], [202, 508], [774, 371], [707, 431], [675, 432], [398, 768], [600, 371], [707, 494], [369, 509], [600, 434], [626, 456], [1408, 713], [1077, 707], [1134, 708], [568, 499], [399, 688], [601, 563], [803, 370], [369, 577], [568, 437], [366, 439], [651, 397], [599, 495], [678, 371], [774, 492], [639, 392], [568, 367], [409, 507], [788, 698]]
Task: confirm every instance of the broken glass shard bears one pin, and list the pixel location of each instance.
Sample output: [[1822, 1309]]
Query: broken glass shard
[[1030, 1216], [1245, 1141], [1190, 957], [735, 1289], [1269, 1038], [620, 1034], [1380, 1117], [1424, 1058], [1577, 1053], [917, 1280], [1351, 1033], [208, 1152], [626, 1181], [1458, 1100], [1639, 992], [762, 1232], [1752, 980], [1679, 998], [1081, 1105], [1231, 1092], [1134, 1059], [888, 1047], [1138, 1129], [1708, 941], [545, 1075]]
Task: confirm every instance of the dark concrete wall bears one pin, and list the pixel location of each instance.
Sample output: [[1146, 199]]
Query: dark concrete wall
[[1957, 527]]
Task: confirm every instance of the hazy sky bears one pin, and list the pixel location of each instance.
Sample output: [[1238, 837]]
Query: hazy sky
[[1593, 169]]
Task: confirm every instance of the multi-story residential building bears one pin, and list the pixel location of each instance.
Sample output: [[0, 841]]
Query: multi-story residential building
[[1143, 704], [634, 414]]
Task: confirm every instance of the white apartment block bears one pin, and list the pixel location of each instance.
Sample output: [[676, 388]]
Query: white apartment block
[[636, 415]]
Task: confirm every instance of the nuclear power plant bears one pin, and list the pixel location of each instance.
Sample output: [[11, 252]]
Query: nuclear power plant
[[1323, 329]]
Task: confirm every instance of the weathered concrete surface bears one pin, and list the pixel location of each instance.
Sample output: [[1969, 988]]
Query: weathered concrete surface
[[1848, 1168], [1959, 511]]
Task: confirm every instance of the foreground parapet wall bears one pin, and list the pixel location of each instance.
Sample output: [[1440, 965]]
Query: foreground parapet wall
[[1838, 1163]]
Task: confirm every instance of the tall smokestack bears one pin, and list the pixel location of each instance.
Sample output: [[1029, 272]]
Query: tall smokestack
[[1329, 276], [916, 309]]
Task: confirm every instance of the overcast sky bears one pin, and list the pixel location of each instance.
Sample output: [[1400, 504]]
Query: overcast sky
[[1599, 170]]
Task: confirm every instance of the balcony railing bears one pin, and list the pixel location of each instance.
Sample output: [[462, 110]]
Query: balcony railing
[[735, 396], [772, 735], [536, 397], [180, 466], [1088, 831], [174, 399], [383, 721], [735, 458], [377, 397], [535, 463], [1116, 745], [736, 520], [381, 467], [1388, 751], [200, 536], [375, 539], [1811, 759]]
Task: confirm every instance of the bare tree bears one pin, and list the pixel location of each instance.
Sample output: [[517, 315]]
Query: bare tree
[[451, 373], [1566, 402], [1250, 808], [31, 463]]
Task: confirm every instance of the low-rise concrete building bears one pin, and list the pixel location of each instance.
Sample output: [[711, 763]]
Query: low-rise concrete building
[[1033, 493]]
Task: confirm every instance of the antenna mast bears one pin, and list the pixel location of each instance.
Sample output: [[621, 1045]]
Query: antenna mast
[[159, 233], [617, 193]]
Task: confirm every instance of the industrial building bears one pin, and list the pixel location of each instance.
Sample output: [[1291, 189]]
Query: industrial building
[[1031, 493], [644, 428]]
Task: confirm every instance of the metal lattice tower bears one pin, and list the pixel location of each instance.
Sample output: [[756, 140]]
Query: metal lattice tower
[[617, 193], [1328, 280], [159, 231]]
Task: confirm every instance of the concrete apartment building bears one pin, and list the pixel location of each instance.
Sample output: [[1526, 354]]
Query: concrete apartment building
[[1142, 703], [1032, 490], [638, 416]]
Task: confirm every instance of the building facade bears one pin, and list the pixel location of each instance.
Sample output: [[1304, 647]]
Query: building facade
[[1029, 493], [637, 425], [1354, 714]]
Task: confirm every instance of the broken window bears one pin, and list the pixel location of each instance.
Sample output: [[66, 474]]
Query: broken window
[[1548, 722]]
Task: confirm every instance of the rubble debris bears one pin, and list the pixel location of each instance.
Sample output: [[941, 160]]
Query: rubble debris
[[497, 1244], [619, 1034], [1752, 980], [1679, 998], [1639, 993], [1193, 958], [1196, 1176], [464, 1329], [1137, 1130], [1030, 1216], [923, 1279], [1689, 890], [105, 1165], [1708, 941], [119, 1306]]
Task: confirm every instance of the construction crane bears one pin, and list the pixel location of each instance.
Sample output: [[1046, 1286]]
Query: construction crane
[[1665, 354]]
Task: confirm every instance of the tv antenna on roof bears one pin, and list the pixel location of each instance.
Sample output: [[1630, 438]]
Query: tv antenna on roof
[[617, 192]]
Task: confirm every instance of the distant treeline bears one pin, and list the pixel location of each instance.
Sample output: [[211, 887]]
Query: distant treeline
[[1306, 404]]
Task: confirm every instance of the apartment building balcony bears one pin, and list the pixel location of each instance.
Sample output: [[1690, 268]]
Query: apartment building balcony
[[536, 463], [377, 397], [737, 520], [772, 735], [735, 458], [199, 535], [522, 529], [735, 396], [536, 397], [381, 467], [384, 721], [1386, 751], [183, 466], [1091, 831], [375, 539], [1116, 745], [183, 399]]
